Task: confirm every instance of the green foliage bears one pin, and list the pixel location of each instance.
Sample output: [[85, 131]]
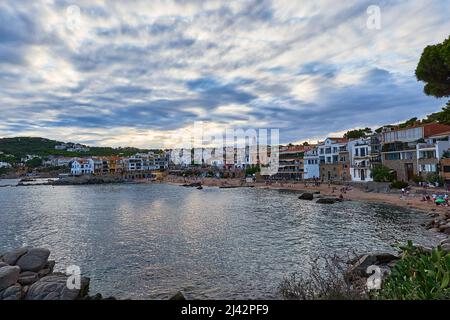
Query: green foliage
[[381, 173], [34, 163], [434, 69], [433, 177], [305, 143], [398, 185], [442, 117], [21, 146], [357, 133], [409, 123], [252, 170], [418, 275]]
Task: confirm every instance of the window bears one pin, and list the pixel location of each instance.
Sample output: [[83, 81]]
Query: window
[[363, 152], [392, 156], [446, 168], [357, 152]]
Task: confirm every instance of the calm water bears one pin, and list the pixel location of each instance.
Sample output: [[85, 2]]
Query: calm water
[[148, 241]]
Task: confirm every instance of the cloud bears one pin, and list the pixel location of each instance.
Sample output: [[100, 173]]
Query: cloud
[[141, 73]]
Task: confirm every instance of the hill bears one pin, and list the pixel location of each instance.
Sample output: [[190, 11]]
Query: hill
[[19, 147]]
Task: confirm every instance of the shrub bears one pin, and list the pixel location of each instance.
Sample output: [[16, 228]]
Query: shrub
[[399, 185], [418, 275], [325, 280], [382, 173]]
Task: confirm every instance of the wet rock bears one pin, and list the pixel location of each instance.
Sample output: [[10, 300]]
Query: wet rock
[[12, 256], [8, 276], [328, 200], [28, 277], [12, 293], [34, 260], [54, 287], [178, 296], [306, 196]]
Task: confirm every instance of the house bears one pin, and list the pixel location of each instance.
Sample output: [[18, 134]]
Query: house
[[4, 165], [430, 152], [311, 164], [400, 152], [290, 165], [333, 159], [360, 160], [82, 167]]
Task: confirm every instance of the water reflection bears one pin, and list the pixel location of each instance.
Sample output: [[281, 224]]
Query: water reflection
[[148, 241]]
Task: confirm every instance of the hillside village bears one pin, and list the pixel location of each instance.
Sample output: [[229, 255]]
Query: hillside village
[[417, 151]]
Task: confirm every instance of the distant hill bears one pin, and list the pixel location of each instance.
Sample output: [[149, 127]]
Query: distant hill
[[21, 146]]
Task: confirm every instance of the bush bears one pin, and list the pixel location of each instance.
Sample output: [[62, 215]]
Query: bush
[[418, 275], [398, 185], [325, 280], [382, 173]]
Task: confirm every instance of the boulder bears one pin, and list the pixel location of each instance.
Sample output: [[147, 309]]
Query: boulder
[[34, 260], [12, 256], [8, 276], [178, 296], [54, 287], [28, 277], [328, 200], [306, 196], [12, 293], [359, 265]]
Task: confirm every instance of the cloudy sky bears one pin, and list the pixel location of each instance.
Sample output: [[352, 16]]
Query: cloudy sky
[[142, 73]]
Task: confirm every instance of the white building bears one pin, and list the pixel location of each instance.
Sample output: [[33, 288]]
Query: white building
[[360, 159], [430, 152], [82, 166], [311, 164], [328, 151], [5, 165]]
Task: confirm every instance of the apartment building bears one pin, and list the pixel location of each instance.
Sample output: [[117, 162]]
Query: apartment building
[[333, 159], [400, 151], [311, 164], [291, 163]]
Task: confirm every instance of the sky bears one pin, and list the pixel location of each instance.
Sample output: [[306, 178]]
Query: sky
[[142, 73]]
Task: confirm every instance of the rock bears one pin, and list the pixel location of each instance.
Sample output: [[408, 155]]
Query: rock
[[34, 260], [48, 268], [445, 241], [12, 257], [8, 276], [328, 200], [12, 293], [434, 229], [178, 296], [28, 277], [306, 196], [360, 265], [446, 247], [2, 264], [54, 287]]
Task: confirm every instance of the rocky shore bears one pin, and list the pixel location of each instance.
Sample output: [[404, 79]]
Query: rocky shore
[[27, 274]]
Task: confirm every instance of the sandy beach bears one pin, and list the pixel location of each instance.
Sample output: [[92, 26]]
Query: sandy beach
[[413, 200]]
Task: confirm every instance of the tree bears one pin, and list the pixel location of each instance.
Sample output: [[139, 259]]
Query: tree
[[34, 163], [305, 144], [382, 173], [434, 69], [357, 133]]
